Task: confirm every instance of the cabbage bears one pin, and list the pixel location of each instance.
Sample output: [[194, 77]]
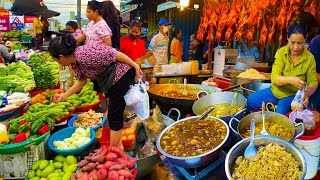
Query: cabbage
[[79, 138]]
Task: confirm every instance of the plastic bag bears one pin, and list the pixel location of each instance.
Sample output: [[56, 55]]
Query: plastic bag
[[305, 115], [133, 95], [141, 108], [297, 103]]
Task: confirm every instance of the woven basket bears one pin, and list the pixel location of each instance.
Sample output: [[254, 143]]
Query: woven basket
[[23, 146]]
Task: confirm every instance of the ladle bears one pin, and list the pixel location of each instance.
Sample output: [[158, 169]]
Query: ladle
[[263, 114], [251, 150]]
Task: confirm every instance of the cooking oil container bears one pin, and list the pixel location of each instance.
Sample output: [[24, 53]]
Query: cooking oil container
[[195, 67]]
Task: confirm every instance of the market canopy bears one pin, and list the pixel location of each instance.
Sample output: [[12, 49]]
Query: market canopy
[[32, 8]]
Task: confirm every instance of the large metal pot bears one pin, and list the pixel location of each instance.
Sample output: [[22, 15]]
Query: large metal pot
[[253, 87], [195, 161], [238, 150], [218, 98], [183, 104], [274, 117]]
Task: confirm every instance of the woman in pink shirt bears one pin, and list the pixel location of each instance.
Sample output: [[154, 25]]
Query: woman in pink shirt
[[97, 31], [113, 70]]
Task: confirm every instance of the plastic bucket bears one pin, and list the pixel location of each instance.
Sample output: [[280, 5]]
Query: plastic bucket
[[311, 152]]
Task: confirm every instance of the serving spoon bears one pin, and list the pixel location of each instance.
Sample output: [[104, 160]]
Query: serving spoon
[[184, 92], [251, 150], [263, 114], [204, 115], [234, 99]]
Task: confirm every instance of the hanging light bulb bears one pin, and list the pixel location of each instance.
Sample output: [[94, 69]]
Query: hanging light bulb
[[181, 8], [184, 3]]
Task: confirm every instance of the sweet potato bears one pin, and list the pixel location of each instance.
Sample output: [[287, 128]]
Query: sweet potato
[[117, 167], [121, 160], [90, 167], [104, 152], [83, 163], [100, 166], [97, 158], [113, 175], [77, 175], [124, 173], [94, 177], [126, 178], [125, 168], [98, 150], [84, 176], [118, 152], [102, 174], [121, 177], [108, 164], [111, 156], [93, 172], [131, 162]]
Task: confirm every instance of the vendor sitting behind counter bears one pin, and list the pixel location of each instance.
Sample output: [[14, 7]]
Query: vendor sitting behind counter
[[293, 68]]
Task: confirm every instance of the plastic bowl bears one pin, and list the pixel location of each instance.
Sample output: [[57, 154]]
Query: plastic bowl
[[66, 133], [8, 114], [92, 106], [95, 128], [105, 138]]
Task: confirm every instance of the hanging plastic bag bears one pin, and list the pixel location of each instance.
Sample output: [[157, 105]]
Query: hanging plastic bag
[[297, 103], [133, 95], [141, 108]]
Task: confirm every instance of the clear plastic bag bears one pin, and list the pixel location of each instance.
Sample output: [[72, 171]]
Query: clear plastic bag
[[133, 95], [297, 103], [142, 107]]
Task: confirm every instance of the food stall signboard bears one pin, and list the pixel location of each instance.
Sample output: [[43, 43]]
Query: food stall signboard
[[28, 21], [16, 22], [4, 21], [167, 5]]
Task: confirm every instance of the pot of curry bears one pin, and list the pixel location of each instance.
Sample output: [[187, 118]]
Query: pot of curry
[[192, 143], [168, 96], [222, 103], [276, 124]]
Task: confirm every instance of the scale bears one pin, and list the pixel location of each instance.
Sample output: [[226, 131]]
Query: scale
[[223, 58], [195, 173]]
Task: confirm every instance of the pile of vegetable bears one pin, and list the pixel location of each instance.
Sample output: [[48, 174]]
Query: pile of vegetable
[[19, 78], [14, 34], [106, 163], [60, 168], [129, 134], [2, 69], [86, 97], [79, 138], [20, 130], [12, 101], [46, 97], [17, 46], [88, 119], [47, 57], [42, 112], [46, 74]]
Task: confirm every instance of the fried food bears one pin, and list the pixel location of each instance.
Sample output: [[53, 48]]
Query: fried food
[[271, 162], [252, 74]]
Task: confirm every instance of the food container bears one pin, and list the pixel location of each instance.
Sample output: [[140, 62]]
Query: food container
[[105, 138], [238, 150], [66, 133], [95, 128], [92, 106], [254, 86], [183, 104], [277, 118], [194, 67], [194, 161]]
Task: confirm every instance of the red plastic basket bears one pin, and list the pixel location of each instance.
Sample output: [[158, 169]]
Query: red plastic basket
[[20, 107], [135, 172], [92, 106], [64, 118], [31, 90], [105, 138]]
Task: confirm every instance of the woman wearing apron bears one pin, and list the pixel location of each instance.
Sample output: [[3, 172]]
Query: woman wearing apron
[[113, 70]]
